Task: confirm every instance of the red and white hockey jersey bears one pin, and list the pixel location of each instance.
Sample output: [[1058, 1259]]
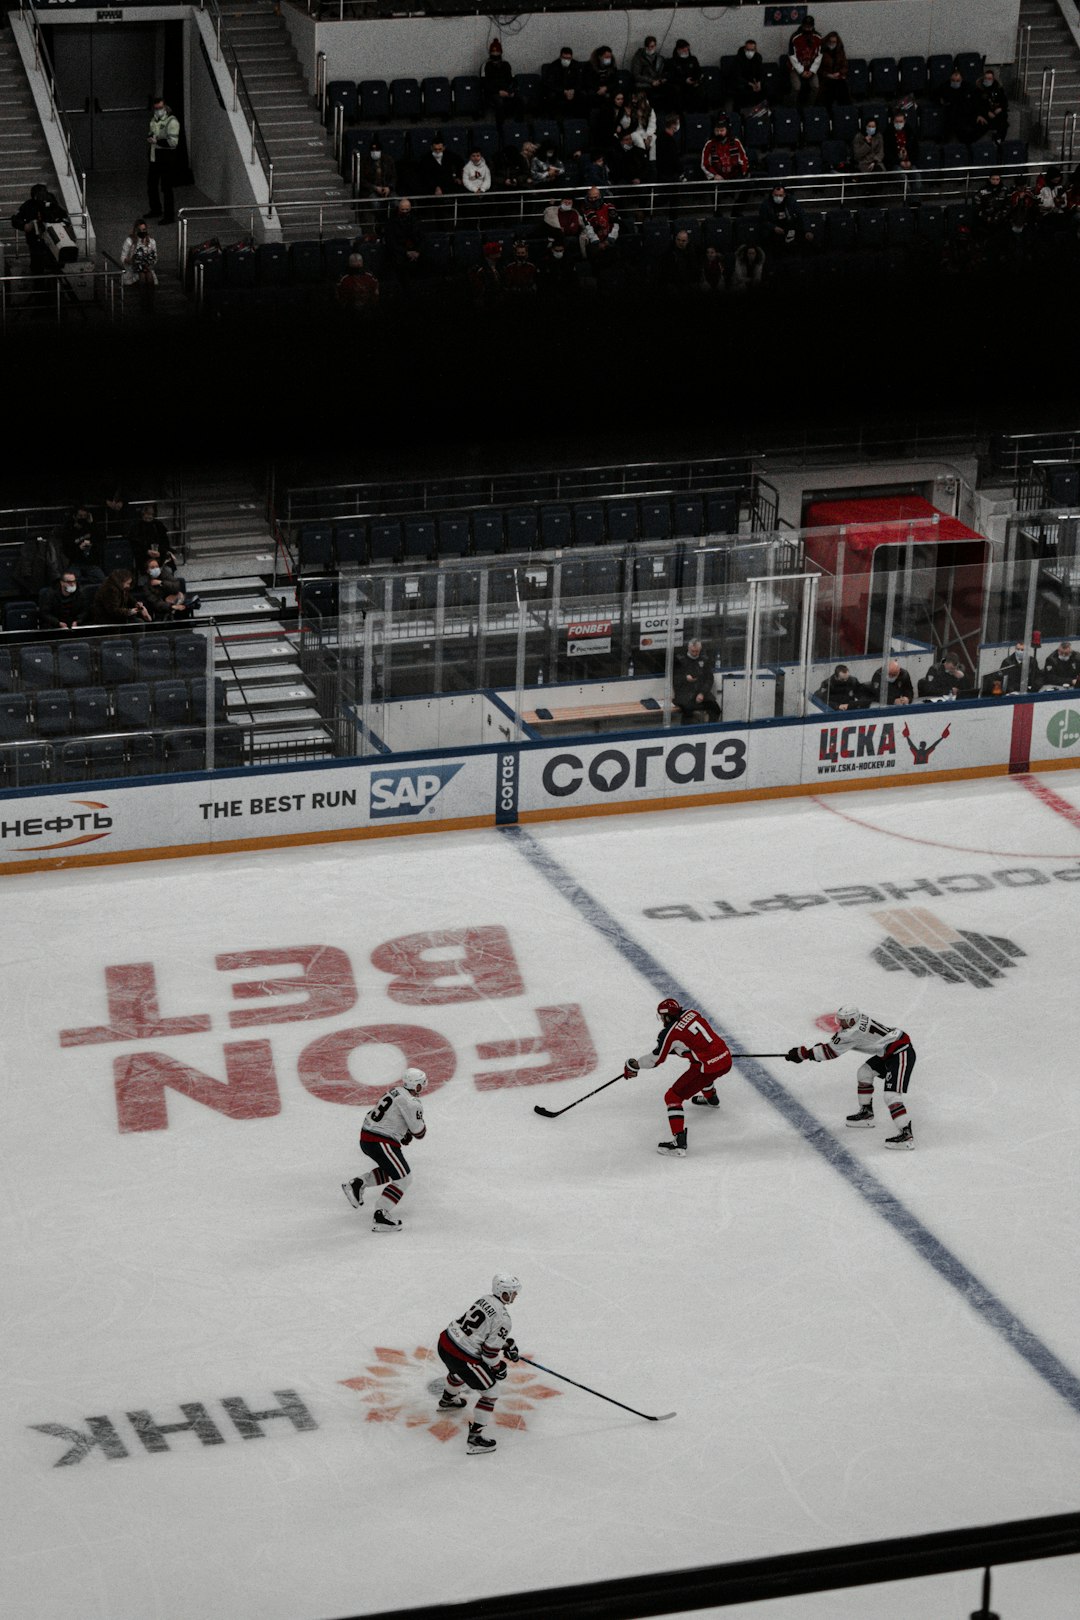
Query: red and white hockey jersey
[[691, 1036], [865, 1036], [396, 1116], [482, 1332]]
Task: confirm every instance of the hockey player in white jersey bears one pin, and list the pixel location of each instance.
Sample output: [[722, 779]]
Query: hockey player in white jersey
[[396, 1120], [474, 1349], [892, 1060]]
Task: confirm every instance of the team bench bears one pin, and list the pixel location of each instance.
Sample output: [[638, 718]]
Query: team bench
[[598, 716]]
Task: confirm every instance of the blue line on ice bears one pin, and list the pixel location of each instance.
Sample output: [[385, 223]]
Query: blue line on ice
[[981, 1298]]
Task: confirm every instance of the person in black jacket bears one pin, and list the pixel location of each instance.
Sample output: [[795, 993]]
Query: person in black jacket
[[497, 83], [1062, 668], [64, 604], [899, 689], [842, 690], [81, 546], [748, 77], [958, 103], [694, 694], [944, 679], [990, 106], [40, 209], [563, 86]]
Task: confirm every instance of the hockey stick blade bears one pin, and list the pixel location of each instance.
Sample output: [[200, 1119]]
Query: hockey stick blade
[[547, 1112], [663, 1417]]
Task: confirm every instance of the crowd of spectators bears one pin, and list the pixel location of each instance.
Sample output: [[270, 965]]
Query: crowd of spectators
[[63, 571]]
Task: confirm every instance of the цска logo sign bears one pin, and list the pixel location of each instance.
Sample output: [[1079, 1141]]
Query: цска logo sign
[[407, 792]]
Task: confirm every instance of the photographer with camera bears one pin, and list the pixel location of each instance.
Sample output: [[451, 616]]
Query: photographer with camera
[[139, 259], [40, 210]]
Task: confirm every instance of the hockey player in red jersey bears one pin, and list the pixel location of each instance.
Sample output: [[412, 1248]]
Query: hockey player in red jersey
[[686, 1033], [892, 1060]]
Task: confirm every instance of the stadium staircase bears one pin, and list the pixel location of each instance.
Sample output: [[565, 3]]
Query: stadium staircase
[[1052, 46], [306, 177], [24, 155], [229, 561]]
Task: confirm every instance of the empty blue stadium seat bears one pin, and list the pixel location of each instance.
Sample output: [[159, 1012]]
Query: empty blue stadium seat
[[37, 666], [986, 153], [687, 516], [589, 524], [938, 69], [467, 94], [721, 514], [836, 154], [555, 527], [350, 544], [522, 525], [655, 518], [342, 93], [453, 536], [405, 100], [374, 97], [132, 706], [785, 126], [155, 657], [931, 121], [52, 713], [116, 660], [884, 76], [385, 542], [271, 264], [913, 75], [858, 78], [815, 125], [20, 615], [305, 263], [970, 64], [487, 531], [420, 538], [528, 89], [623, 522], [437, 98], [315, 548], [189, 653], [14, 716]]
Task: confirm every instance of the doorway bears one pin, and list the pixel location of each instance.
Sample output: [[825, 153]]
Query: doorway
[[106, 78]]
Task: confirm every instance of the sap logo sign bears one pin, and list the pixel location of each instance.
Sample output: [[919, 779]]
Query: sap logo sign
[[407, 792]]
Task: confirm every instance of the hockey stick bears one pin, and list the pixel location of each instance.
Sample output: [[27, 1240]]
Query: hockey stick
[[758, 1054], [648, 1416], [553, 1113]]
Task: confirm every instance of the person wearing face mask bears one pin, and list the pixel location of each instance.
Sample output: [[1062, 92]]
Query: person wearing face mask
[[160, 591], [868, 149], [748, 77], [558, 271], [992, 210], [81, 546], [148, 533], [990, 107], [804, 61], [957, 101], [63, 604], [898, 143], [833, 72], [139, 259], [562, 85], [684, 79], [602, 76], [650, 71], [1012, 669], [377, 173], [669, 157], [783, 222], [724, 157], [497, 84]]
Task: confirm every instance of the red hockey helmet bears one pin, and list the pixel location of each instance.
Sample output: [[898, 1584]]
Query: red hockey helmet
[[668, 1010]]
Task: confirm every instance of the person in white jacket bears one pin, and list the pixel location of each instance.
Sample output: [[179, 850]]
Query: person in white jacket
[[476, 176], [643, 129]]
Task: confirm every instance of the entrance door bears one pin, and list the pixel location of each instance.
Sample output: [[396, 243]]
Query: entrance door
[[106, 77]]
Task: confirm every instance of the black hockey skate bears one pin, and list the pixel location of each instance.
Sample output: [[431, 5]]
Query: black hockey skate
[[385, 1223], [864, 1119], [451, 1403], [903, 1139], [701, 1101], [674, 1145], [354, 1191], [477, 1445]]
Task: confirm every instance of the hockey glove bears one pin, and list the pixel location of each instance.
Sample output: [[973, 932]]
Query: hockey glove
[[630, 1068], [406, 1139], [510, 1350], [499, 1370], [798, 1054]]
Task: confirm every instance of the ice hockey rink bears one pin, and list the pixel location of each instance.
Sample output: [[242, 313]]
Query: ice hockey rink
[[858, 1343]]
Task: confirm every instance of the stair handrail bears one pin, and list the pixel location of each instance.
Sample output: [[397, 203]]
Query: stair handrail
[[260, 151], [1068, 136], [1023, 57], [43, 63], [1046, 101], [320, 82]]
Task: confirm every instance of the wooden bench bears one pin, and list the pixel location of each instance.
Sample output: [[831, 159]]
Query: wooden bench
[[597, 716]]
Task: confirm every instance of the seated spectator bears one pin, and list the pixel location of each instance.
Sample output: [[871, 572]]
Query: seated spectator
[[595, 170], [695, 692], [868, 149], [63, 604], [558, 271], [1062, 668], [115, 601], [1051, 210], [497, 86], [643, 127], [1012, 669], [358, 290], [564, 223], [783, 222], [680, 267], [629, 164], [146, 533], [945, 679], [377, 173], [899, 144], [669, 158], [40, 563], [748, 269], [713, 274], [684, 79], [748, 77], [650, 71], [545, 170], [990, 107], [405, 245], [520, 276], [804, 60], [511, 169], [476, 176], [833, 72], [562, 85], [1022, 203], [601, 230], [724, 156], [438, 173], [841, 690], [957, 101], [80, 545], [992, 206], [899, 689], [608, 121], [602, 74]]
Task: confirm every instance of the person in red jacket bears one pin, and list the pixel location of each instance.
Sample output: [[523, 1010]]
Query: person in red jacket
[[685, 1033], [724, 157]]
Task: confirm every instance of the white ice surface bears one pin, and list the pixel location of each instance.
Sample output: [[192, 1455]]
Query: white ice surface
[[831, 1387]]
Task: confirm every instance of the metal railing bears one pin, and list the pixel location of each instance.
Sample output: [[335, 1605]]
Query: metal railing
[[30, 297], [1046, 104], [260, 151]]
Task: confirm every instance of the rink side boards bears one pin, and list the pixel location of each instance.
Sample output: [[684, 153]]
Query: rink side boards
[[163, 817]]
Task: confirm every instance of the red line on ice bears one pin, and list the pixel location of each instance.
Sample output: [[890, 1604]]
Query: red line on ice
[[937, 843], [1053, 801]]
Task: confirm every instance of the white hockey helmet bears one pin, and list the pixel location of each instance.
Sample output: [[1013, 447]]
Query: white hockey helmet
[[846, 1016], [503, 1283], [414, 1081]]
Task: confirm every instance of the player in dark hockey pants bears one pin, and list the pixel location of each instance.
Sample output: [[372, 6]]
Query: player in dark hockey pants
[[474, 1349], [395, 1121], [892, 1061]]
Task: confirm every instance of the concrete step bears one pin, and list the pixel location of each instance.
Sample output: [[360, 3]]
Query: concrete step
[[252, 676]]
